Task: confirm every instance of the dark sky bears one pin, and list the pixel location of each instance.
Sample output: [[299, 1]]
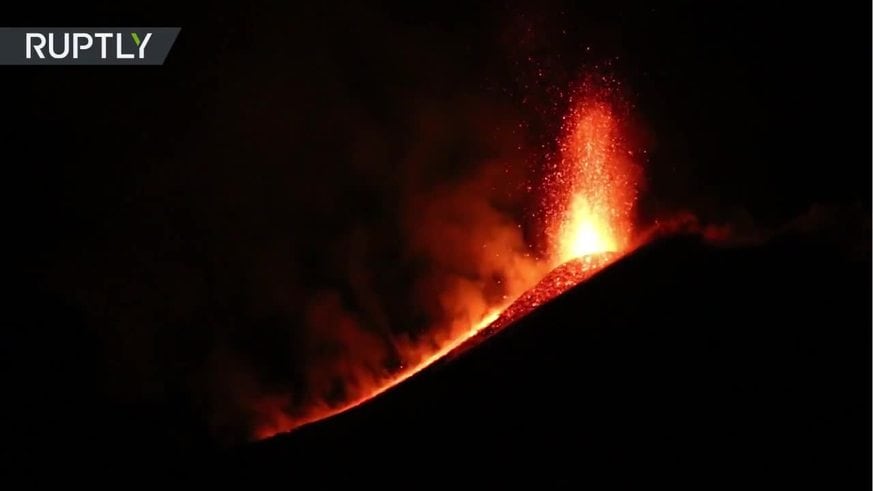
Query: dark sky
[[176, 222], [745, 102]]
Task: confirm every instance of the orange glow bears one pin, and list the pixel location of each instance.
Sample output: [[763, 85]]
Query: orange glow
[[594, 186], [589, 192], [586, 232], [283, 423]]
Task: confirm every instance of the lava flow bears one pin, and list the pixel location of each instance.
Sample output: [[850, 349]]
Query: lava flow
[[590, 191]]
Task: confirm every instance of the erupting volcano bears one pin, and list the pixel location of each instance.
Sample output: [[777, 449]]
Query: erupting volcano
[[589, 192]]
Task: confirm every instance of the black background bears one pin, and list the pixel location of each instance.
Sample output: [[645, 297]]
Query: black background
[[165, 215]]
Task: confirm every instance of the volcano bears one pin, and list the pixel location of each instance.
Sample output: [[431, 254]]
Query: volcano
[[682, 363], [587, 195]]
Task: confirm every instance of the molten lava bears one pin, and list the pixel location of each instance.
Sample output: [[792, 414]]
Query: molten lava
[[590, 191], [594, 188]]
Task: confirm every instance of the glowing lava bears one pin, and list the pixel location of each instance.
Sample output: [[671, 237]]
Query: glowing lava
[[589, 192], [593, 188]]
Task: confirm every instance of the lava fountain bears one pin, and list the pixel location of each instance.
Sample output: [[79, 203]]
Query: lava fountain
[[589, 193], [593, 186]]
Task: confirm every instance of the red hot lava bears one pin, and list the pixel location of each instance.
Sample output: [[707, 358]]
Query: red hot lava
[[590, 192]]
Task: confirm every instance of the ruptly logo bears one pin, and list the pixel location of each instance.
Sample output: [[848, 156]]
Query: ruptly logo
[[86, 46]]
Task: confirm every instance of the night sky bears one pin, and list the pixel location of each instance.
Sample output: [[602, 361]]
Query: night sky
[[178, 225]]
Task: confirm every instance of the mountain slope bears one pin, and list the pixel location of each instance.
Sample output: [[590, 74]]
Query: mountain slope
[[683, 363]]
